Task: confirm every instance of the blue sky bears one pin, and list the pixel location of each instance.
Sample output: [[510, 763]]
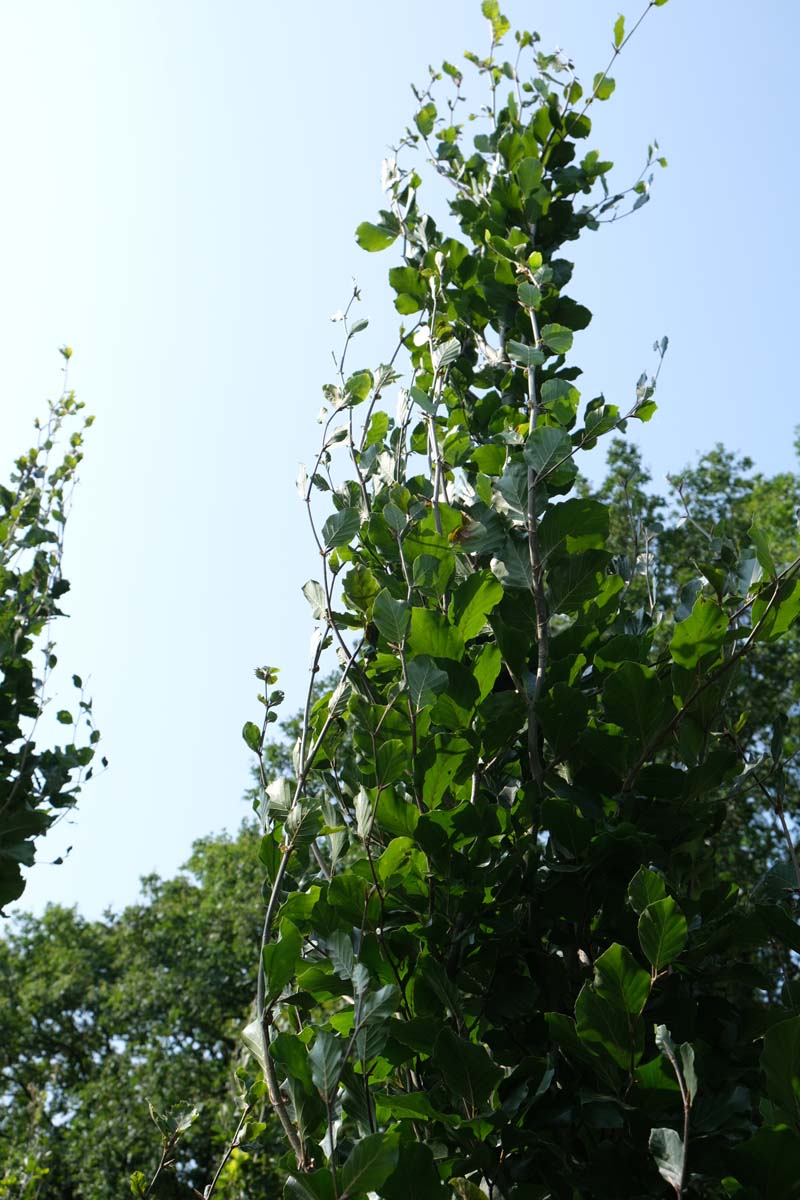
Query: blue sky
[[181, 186]]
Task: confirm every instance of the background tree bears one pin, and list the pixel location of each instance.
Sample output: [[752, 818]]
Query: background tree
[[36, 784], [98, 1018]]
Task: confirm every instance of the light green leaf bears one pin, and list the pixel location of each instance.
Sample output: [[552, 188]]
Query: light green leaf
[[500, 26], [603, 86], [662, 932], [359, 385], [391, 616], [619, 32], [374, 237], [252, 736], [426, 118]]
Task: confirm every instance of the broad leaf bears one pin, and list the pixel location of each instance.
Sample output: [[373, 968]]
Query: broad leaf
[[662, 932]]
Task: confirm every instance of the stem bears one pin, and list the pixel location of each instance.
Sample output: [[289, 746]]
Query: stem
[[537, 584]]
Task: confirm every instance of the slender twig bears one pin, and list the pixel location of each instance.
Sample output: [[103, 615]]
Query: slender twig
[[209, 1192], [537, 582]]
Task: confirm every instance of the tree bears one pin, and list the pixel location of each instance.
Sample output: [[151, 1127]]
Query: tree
[[36, 785], [499, 953], [98, 1018]]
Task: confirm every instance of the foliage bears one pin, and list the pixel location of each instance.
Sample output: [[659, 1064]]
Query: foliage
[[499, 953], [98, 1018], [36, 784]]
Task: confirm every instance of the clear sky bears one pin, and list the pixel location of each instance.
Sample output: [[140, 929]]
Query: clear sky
[[181, 183]]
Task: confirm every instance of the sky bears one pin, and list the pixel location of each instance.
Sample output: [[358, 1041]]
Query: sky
[[182, 182]]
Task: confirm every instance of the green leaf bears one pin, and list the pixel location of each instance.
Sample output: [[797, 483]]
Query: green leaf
[[465, 1189], [500, 26], [634, 698], [374, 237], [557, 338], [450, 754], [573, 526], [416, 1176], [783, 610], [763, 552], [472, 602], [526, 356], [546, 447], [369, 1164], [513, 565], [391, 616], [291, 1054], [426, 118], [281, 959], [510, 493], [359, 385], [340, 528], [315, 595], [252, 736], [565, 822], [529, 173], [703, 632], [529, 295], [138, 1183], [603, 86], [326, 1058], [391, 761], [340, 950], [311, 1185], [576, 579], [619, 32], [780, 1062], [662, 932], [466, 1068], [432, 634], [603, 1023], [64, 717], [425, 681], [667, 1149], [645, 888], [620, 979]]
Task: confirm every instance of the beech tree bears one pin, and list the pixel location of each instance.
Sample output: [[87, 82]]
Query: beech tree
[[500, 955]]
